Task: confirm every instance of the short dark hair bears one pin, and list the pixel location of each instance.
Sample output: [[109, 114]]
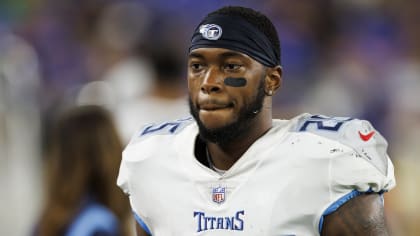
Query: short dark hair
[[257, 19]]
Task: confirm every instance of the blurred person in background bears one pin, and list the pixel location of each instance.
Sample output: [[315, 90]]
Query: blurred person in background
[[20, 131], [85, 41], [84, 153], [166, 99], [403, 90], [118, 44]]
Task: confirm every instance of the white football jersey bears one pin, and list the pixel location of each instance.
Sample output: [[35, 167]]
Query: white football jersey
[[284, 184]]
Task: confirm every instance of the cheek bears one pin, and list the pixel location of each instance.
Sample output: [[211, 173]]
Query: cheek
[[192, 83], [241, 97], [249, 92], [193, 87]]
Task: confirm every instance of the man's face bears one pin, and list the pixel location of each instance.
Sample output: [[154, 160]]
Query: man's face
[[224, 111]]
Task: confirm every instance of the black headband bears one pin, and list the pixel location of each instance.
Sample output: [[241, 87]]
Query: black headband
[[235, 33]]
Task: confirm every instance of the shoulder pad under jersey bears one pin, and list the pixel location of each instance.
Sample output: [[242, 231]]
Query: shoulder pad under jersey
[[354, 133]]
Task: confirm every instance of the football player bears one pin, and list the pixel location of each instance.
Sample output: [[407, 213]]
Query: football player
[[234, 170]]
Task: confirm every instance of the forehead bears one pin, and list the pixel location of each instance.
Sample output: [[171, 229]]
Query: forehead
[[219, 53]]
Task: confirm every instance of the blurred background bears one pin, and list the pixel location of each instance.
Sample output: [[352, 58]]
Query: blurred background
[[354, 58]]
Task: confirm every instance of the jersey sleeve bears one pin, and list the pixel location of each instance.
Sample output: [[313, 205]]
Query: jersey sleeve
[[360, 161], [358, 164], [144, 154], [122, 179], [367, 166], [362, 165]]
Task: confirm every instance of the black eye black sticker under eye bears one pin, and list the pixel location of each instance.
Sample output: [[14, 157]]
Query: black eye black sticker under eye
[[235, 82]]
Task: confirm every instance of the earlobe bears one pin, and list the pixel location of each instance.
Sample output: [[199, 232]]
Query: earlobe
[[273, 80]]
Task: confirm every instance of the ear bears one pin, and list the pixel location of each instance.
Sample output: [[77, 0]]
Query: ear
[[273, 79]]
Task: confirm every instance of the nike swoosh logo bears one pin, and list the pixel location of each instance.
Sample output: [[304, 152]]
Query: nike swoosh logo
[[366, 137]]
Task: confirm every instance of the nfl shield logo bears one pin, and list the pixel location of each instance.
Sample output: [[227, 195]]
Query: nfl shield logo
[[218, 194]]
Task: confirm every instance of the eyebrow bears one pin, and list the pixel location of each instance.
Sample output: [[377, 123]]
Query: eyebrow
[[194, 54], [231, 54], [223, 55]]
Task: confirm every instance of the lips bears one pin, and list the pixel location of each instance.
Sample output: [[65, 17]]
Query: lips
[[214, 105]]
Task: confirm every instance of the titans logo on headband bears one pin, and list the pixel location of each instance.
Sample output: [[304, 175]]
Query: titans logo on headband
[[211, 31]]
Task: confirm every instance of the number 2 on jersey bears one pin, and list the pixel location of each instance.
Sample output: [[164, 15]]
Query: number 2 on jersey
[[325, 122]]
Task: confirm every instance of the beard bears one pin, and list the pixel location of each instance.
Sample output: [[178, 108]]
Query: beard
[[228, 133]]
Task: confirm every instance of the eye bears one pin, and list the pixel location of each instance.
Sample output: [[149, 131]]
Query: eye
[[196, 66], [232, 66]]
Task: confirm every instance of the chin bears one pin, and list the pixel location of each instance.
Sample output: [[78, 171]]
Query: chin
[[215, 120], [223, 126]]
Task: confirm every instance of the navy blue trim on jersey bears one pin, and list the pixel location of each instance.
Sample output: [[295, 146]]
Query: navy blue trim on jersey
[[141, 223], [333, 207]]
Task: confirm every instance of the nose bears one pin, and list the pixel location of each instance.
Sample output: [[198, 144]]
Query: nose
[[212, 82]]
